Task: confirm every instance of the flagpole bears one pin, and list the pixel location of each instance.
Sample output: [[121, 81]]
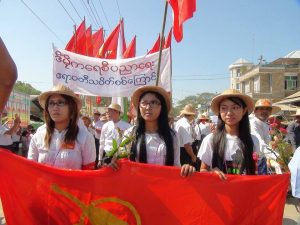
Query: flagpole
[[161, 42]]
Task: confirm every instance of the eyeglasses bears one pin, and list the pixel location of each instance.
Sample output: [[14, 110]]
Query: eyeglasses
[[152, 104], [51, 104]]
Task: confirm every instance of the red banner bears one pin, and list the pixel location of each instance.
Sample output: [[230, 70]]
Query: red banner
[[32, 193]]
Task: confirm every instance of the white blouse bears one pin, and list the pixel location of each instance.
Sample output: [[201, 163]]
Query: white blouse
[[82, 152], [157, 150]]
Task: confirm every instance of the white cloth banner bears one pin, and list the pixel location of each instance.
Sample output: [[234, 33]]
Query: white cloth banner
[[109, 78]]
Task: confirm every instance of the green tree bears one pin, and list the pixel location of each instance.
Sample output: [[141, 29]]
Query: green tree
[[203, 99], [26, 88]]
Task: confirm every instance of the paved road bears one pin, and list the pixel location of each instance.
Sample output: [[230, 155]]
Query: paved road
[[291, 215]]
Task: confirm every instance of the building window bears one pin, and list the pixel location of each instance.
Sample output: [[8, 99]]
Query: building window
[[256, 84], [238, 72], [247, 87], [237, 87], [290, 82]]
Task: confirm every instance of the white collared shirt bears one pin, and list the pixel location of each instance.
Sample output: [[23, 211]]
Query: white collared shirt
[[83, 152], [184, 131]]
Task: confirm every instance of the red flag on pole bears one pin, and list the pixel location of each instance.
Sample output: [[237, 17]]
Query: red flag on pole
[[97, 39], [155, 47], [123, 36], [72, 45], [131, 49], [108, 49], [89, 41], [168, 39], [182, 11]]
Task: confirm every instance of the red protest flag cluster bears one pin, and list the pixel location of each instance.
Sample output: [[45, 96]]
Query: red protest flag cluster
[[136, 194]]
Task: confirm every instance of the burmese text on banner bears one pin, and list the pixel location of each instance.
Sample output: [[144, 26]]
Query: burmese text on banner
[[109, 78], [32, 193]]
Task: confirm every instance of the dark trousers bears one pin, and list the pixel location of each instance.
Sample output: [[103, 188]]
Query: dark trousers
[[186, 159], [97, 152], [16, 147]]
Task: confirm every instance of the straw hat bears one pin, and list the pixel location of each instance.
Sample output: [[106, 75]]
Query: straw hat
[[188, 110], [138, 92], [297, 113], [215, 103], [203, 117], [266, 103], [115, 106], [61, 90]]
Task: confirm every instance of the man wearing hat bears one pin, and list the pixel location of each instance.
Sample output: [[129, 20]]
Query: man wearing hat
[[113, 129], [259, 127], [293, 131], [186, 133]]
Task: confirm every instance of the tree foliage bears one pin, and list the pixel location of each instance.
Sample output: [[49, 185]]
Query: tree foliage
[[203, 99], [26, 88]]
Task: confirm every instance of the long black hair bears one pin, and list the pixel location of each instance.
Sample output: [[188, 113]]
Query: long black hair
[[219, 141], [164, 132]]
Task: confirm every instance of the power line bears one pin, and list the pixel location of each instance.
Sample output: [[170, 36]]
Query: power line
[[88, 2], [67, 12], [97, 13], [104, 14], [118, 8], [88, 11], [75, 10], [202, 75], [220, 78], [42, 22]]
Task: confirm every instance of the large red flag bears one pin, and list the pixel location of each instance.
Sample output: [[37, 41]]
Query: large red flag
[[131, 49], [33, 193], [155, 47], [73, 45], [108, 49], [98, 40], [182, 11]]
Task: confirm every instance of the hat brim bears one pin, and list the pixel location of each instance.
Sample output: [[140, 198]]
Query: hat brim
[[215, 103], [44, 96], [183, 112], [138, 92]]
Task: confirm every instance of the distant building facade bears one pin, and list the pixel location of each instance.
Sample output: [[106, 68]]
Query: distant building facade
[[275, 80]]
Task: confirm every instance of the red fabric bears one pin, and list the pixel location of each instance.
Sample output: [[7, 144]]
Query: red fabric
[[98, 100], [89, 41], [182, 11], [77, 39], [156, 45], [32, 193], [131, 49], [109, 48], [168, 40], [97, 39]]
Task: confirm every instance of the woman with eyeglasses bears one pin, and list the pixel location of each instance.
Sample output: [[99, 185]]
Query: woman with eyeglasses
[[229, 149], [155, 142], [60, 142]]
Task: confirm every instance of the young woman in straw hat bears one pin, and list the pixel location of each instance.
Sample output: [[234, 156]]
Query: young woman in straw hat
[[229, 150], [60, 142], [155, 142]]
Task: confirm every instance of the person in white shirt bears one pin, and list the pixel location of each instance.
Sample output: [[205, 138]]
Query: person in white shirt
[[60, 142], [97, 125], [229, 150], [260, 128], [155, 142], [113, 129], [187, 135]]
